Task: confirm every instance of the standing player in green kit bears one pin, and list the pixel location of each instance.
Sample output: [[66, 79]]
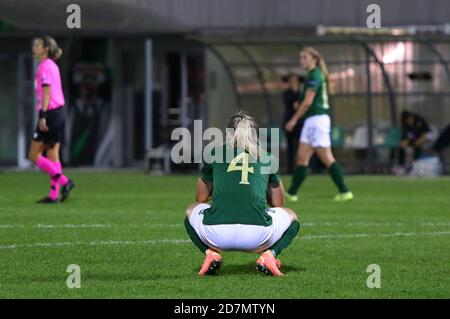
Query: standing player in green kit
[[315, 135]]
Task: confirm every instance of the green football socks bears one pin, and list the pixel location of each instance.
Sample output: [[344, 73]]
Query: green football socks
[[338, 177], [194, 237], [286, 239], [299, 175]]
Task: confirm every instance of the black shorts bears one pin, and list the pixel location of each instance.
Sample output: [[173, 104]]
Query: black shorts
[[55, 123]]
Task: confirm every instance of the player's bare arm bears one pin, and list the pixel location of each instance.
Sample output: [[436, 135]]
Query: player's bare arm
[[306, 103], [204, 191], [276, 195]]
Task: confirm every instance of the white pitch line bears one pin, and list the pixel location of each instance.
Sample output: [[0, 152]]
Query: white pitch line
[[318, 224], [11, 226], [397, 234], [184, 241], [56, 226], [73, 226], [376, 224], [50, 226], [97, 243]]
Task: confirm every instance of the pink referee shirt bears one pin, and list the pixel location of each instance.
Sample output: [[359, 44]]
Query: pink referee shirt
[[48, 73]]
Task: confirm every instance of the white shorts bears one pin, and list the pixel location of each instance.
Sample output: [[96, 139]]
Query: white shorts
[[316, 131], [238, 236]]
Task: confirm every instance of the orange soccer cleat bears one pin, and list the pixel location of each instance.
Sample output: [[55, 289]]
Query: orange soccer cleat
[[268, 264], [212, 263]]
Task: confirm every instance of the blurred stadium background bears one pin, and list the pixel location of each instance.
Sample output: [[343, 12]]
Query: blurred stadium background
[[139, 68]]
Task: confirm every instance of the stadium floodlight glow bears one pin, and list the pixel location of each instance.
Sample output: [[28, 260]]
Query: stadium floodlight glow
[[447, 28], [348, 73], [408, 30], [395, 55], [323, 30], [397, 31]]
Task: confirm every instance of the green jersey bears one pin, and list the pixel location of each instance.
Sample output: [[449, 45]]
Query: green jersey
[[239, 190], [315, 80]]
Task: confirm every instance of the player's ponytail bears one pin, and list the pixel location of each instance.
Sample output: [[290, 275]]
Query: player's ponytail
[[243, 133], [54, 51], [320, 62]]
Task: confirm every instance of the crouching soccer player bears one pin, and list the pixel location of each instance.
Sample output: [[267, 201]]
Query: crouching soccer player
[[238, 218]]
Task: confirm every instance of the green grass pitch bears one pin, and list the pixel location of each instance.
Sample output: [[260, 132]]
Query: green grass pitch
[[125, 231]]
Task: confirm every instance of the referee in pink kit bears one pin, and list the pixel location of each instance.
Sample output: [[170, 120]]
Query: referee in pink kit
[[50, 127]]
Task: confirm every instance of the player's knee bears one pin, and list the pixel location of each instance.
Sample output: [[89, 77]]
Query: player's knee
[[294, 217], [291, 214], [189, 209], [32, 156], [188, 212], [302, 160], [329, 161], [53, 157]]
